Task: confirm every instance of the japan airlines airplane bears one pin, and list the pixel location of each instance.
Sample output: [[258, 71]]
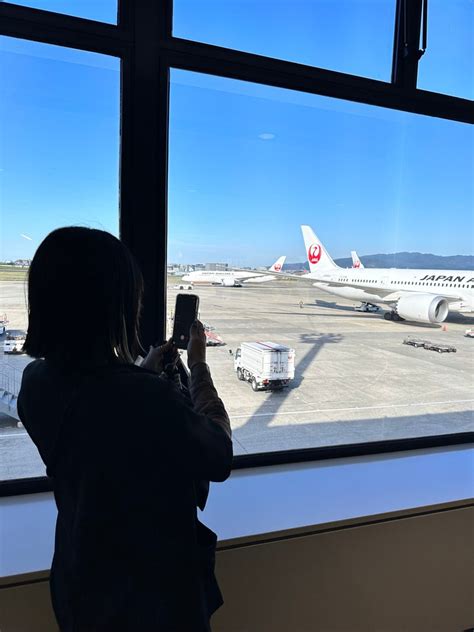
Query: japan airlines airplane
[[356, 262], [233, 278], [424, 296]]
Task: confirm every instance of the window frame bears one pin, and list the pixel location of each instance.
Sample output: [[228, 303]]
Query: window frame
[[142, 39]]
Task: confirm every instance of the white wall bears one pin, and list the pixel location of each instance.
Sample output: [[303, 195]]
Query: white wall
[[412, 574]]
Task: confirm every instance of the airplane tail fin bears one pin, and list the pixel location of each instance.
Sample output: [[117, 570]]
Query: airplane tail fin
[[318, 257], [278, 265], [356, 262]]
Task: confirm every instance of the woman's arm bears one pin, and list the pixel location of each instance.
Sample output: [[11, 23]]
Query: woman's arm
[[208, 431], [205, 399], [211, 436], [202, 426]]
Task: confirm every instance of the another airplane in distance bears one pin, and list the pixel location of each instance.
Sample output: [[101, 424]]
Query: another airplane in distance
[[424, 296], [232, 278], [356, 262]]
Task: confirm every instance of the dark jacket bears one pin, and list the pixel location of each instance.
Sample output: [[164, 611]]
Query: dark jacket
[[125, 451]]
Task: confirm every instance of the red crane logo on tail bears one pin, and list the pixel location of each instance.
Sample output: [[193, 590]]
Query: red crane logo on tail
[[277, 267], [356, 264], [314, 253]]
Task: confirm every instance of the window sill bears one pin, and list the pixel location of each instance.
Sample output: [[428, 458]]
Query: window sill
[[264, 503]]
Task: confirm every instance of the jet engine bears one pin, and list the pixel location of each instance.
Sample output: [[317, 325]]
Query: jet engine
[[423, 308]]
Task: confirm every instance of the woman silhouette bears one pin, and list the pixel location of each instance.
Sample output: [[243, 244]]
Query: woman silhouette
[[129, 456]]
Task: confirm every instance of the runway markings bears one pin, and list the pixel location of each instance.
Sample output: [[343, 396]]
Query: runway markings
[[351, 408], [22, 435]]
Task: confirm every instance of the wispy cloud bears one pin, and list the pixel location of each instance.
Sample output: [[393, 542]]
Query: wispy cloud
[[26, 237]]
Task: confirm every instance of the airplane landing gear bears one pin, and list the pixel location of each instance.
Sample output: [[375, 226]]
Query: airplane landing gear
[[393, 316]]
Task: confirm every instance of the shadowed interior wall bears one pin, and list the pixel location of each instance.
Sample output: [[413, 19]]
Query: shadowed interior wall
[[411, 574]]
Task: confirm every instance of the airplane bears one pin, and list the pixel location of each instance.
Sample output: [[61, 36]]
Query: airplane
[[233, 278], [424, 296], [356, 262]]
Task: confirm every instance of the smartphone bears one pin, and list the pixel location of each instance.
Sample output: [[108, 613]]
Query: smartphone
[[185, 313]]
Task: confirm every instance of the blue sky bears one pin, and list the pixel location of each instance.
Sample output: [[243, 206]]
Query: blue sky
[[248, 163]]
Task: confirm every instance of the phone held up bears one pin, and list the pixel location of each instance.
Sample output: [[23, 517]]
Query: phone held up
[[185, 313]]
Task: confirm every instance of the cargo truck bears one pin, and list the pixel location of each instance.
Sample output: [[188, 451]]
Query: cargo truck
[[266, 365], [14, 342]]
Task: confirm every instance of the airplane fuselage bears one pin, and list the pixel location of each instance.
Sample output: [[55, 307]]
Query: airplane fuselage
[[381, 285], [221, 277], [209, 276]]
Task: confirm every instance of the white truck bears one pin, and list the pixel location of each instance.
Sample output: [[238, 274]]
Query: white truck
[[266, 365], [14, 342]]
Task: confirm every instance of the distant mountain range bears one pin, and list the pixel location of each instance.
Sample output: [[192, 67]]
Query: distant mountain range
[[402, 260]]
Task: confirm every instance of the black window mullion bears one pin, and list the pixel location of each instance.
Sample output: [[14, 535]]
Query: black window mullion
[[165, 21], [124, 14], [144, 159], [63, 30], [214, 60], [406, 44]]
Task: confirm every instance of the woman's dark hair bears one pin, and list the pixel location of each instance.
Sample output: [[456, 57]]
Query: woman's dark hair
[[84, 299]]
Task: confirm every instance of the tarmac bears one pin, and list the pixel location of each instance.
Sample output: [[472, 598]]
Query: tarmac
[[355, 380]]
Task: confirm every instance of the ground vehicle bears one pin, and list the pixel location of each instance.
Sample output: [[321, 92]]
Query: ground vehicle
[[183, 286], [430, 346], [14, 342], [367, 307], [434, 346], [266, 365], [469, 333], [212, 337], [415, 342]]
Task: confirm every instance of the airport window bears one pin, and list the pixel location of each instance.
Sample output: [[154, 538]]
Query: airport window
[[99, 10], [447, 64], [351, 37], [59, 130], [258, 179]]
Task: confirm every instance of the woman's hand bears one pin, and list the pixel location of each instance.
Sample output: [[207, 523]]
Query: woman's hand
[[159, 357], [197, 344]]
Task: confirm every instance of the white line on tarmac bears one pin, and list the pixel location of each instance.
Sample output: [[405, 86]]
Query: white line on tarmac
[[319, 410], [353, 408]]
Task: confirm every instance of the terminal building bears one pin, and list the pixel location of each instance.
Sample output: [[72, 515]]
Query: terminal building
[[220, 267]]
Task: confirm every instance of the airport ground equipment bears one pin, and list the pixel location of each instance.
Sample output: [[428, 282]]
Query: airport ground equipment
[[415, 342], [14, 342], [367, 307], [434, 346], [469, 333], [183, 286], [212, 337], [430, 346], [266, 365]]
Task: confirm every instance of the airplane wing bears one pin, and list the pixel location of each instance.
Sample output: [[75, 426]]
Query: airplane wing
[[259, 277], [246, 275]]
